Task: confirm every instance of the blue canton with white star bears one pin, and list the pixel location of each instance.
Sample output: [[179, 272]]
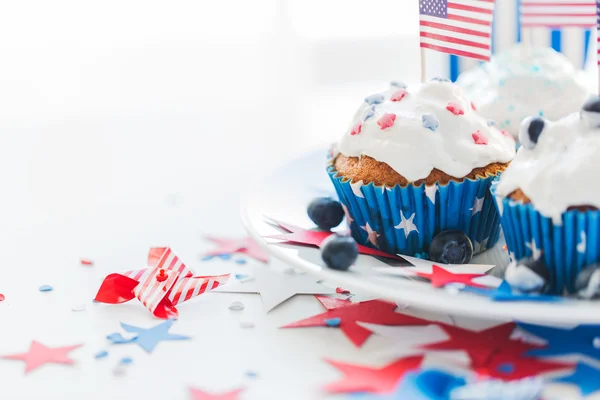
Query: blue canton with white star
[[434, 8]]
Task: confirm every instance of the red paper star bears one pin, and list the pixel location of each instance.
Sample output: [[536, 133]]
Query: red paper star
[[454, 108], [398, 95], [479, 138], [245, 246], [315, 238], [440, 277], [356, 129], [387, 120], [198, 394], [372, 311], [39, 355], [372, 380], [331, 302], [480, 346]]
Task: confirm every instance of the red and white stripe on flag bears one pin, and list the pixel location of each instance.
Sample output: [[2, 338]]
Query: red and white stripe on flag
[[459, 27], [187, 288], [150, 291], [558, 13]]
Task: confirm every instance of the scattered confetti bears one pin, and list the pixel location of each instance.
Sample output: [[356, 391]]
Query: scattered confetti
[[241, 276], [101, 354], [78, 307], [340, 290], [40, 354], [386, 121], [430, 121], [491, 122], [206, 258], [333, 321], [46, 288], [198, 394], [225, 256], [2, 297], [87, 262], [454, 108], [236, 306], [241, 261], [246, 324], [252, 374], [147, 339], [473, 107], [374, 99], [126, 360]]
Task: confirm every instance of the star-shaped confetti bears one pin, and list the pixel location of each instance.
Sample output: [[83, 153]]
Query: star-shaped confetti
[[148, 338], [198, 394], [315, 238], [454, 108], [371, 234], [479, 345], [440, 277], [407, 224], [40, 354], [372, 380], [398, 95], [275, 287], [245, 246], [561, 341], [479, 138], [585, 377], [386, 120], [372, 311]]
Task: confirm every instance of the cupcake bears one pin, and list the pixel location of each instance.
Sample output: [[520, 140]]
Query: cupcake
[[415, 161], [525, 81], [547, 198]]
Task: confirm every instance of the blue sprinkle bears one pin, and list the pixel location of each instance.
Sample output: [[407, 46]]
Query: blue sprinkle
[[398, 84], [506, 368], [101, 354], [225, 256], [240, 261], [541, 113], [369, 112], [206, 258], [126, 360], [430, 121], [333, 321], [374, 99], [251, 374], [241, 276], [46, 288], [491, 122]]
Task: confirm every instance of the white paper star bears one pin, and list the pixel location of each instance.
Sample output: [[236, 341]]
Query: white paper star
[[274, 287], [407, 224], [536, 253], [372, 235], [349, 218], [477, 206], [430, 192], [356, 189], [582, 245]]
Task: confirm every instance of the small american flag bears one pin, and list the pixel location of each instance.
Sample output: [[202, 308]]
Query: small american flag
[[459, 27], [558, 13]]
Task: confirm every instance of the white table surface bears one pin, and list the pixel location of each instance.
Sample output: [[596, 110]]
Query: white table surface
[[132, 125]]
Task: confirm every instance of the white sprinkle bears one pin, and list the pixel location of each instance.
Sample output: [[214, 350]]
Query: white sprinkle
[[246, 324], [78, 307], [236, 306]]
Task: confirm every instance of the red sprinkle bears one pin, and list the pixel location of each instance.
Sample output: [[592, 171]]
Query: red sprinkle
[[386, 120], [473, 106], [339, 290], [398, 95], [2, 297], [502, 131], [87, 262], [454, 108], [479, 138], [356, 129]]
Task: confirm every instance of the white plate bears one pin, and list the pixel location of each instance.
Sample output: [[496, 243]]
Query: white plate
[[284, 196]]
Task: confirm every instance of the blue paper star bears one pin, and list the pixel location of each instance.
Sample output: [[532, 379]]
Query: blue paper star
[[420, 385], [147, 339], [585, 377], [578, 340]]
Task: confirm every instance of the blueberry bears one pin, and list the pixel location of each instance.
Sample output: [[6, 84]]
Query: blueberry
[[325, 212], [531, 129], [339, 252], [528, 275], [451, 247], [440, 79], [590, 112], [587, 283]]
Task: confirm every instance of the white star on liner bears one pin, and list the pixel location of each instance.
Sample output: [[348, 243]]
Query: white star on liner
[[356, 189], [536, 253], [384, 188], [349, 218], [275, 287], [407, 224], [426, 266], [582, 246], [480, 246], [477, 206], [372, 235], [430, 192]]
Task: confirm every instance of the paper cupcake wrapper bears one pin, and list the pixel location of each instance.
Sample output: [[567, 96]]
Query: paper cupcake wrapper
[[566, 249], [401, 220]]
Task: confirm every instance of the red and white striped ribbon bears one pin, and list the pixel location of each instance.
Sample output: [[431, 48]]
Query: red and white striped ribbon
[[187, 288]]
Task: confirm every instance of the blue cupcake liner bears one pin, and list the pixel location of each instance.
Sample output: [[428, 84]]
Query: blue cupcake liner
[[566, 248], [407, 218]]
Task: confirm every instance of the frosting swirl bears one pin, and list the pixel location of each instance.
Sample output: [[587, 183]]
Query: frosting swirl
[[421, 127], [525, 81], [559, 169]]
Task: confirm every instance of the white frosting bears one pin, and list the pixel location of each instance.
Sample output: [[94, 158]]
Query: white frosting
[[526, 81], [560, 171], [414, 150]]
